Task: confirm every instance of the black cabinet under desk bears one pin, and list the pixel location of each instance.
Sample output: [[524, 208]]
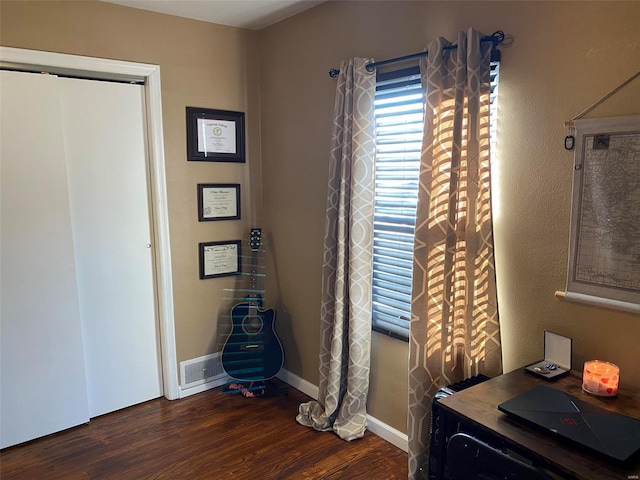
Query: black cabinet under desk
[[474, 411]]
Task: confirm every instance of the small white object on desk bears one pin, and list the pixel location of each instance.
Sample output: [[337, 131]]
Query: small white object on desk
[[557, 357], [600, 378]]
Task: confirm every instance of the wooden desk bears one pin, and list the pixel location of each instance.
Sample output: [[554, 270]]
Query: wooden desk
[[477, 406]]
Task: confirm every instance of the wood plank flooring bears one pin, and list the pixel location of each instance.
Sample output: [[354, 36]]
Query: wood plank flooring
[[210, 435]]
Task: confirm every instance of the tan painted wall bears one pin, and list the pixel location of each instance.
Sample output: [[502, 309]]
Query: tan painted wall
[[201, 65], [565, 56]]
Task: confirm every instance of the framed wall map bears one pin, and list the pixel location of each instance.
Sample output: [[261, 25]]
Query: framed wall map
[[604, 248]]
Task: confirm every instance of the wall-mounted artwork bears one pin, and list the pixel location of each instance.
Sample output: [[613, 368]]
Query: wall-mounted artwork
[[220, 259], [604, 248], [218, 201], [215, 135]]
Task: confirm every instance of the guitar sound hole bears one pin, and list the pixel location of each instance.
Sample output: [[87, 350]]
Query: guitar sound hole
[[252, 324]]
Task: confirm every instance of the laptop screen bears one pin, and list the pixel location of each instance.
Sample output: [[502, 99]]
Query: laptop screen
[[611, 434]]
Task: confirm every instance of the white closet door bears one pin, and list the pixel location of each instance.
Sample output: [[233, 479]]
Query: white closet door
[[42, 378], [107, 172]]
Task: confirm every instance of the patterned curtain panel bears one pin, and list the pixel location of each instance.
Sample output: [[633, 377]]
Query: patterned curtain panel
[[454, 320], [346, 283]]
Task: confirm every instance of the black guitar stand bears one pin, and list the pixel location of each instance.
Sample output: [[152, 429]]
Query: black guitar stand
[[276, 385], [257, 388]]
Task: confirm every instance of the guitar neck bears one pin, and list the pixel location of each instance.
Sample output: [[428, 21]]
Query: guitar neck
[[255, 241]]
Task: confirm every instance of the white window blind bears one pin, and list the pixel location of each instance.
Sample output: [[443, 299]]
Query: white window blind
[[399, 116], [399, 113]]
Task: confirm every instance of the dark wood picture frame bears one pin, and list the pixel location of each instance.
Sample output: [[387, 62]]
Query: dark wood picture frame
[[218, 201], [220, 259], [215, 135]]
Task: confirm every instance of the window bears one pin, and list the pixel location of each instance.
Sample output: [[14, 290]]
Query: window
[[399, 117], [399, 122]]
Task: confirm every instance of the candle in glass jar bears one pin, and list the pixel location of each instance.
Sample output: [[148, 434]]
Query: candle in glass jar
[[600, 378]]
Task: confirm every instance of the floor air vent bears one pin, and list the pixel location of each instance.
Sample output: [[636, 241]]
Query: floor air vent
[[200, 370]]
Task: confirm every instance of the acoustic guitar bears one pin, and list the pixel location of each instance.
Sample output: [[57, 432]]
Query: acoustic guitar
[[252, 351]]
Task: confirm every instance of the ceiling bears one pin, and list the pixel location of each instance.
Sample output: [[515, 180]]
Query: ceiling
[[251, 14]]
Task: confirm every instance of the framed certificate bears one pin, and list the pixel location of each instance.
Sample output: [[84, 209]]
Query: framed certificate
[[215, 135], [220, 259], [218, 201]]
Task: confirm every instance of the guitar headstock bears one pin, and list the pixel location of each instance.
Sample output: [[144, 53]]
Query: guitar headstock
[[255, 239]]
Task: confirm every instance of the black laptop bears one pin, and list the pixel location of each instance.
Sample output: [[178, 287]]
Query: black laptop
[[613, 435]]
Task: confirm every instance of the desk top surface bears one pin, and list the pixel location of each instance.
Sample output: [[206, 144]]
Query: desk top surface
[[479, 404]]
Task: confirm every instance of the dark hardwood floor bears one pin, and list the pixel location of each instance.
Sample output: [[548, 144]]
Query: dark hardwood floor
[[210, 435]]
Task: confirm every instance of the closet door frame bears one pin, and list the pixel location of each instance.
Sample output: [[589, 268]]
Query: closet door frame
[[98, 68]]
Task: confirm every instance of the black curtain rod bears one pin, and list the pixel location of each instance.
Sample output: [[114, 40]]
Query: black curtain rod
[[496, 38]]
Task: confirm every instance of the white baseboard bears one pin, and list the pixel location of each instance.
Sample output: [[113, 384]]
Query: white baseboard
[[381, 429], [186, 392], [298, 383], [388, 433]]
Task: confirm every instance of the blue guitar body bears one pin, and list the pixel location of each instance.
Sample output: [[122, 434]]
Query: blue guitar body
[[252, 351]]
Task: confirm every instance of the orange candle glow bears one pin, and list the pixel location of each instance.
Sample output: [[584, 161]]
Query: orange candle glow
[[600, 378]]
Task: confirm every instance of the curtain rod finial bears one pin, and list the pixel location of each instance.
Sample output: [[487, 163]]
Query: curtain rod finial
[[498, 36], [334, 72]]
